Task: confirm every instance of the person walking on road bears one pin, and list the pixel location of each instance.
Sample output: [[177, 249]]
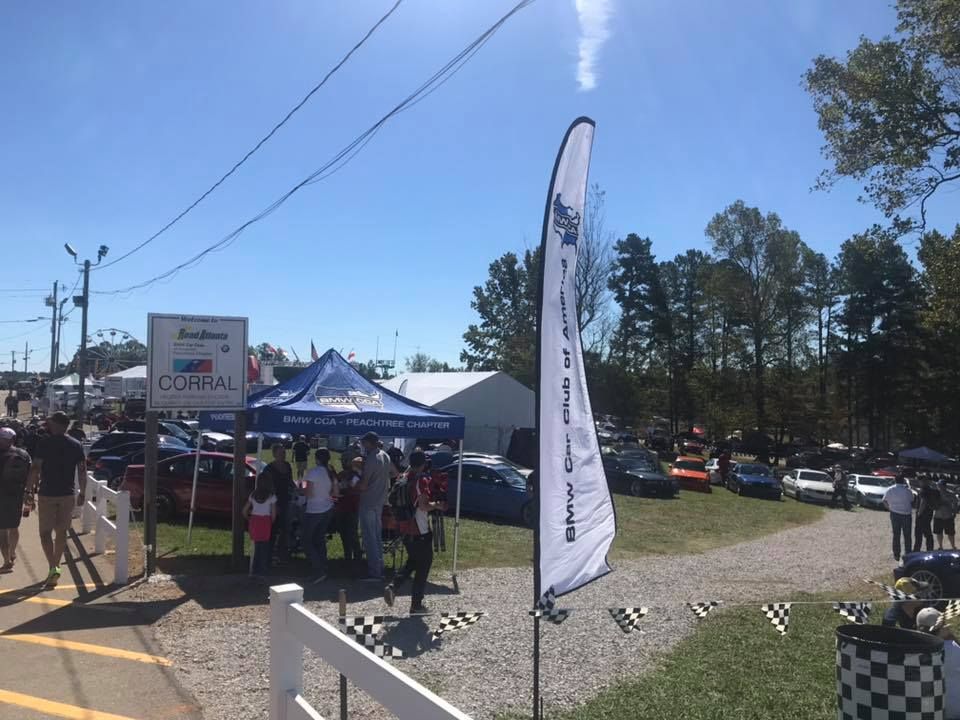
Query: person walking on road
[[301, 453], [944, 517], [898, 499], [839, 488], [928, 501], [58, 464], [12, 404], [14, 474], [373, 486], [320, 491], [413, 493]]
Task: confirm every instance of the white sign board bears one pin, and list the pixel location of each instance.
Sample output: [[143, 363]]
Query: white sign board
[[196, 362], [113, 386]]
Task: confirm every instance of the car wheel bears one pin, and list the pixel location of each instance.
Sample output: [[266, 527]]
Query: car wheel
[[740, 490], [798, 495], [636, 488], [526, 514], [932, 586], [166, 507], [861, 501]]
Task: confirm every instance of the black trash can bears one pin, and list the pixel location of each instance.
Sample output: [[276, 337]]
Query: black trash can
[[887, 672]]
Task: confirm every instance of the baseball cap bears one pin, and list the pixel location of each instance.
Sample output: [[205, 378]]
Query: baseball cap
[[371, 437], [7, 433], [928, 618], [906, 585]]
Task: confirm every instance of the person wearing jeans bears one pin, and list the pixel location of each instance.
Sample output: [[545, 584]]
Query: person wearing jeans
[[898, 499], [418, 538], [373, 486], [320, 492]]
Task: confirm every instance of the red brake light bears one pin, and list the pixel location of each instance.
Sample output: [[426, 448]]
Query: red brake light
[[100, 465]]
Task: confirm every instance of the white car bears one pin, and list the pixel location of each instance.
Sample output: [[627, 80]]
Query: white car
[[808, 485], [867, 490], [713, 469]]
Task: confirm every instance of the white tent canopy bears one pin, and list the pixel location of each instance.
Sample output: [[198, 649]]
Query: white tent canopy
[[129, 383], [493, 403]]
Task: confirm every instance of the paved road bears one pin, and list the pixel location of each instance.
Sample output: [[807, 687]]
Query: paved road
[[80, 651]]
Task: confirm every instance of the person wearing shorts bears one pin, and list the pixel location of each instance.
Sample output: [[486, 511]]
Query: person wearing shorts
[[301, 451], [59, 461], [14, 471], [944, 517]]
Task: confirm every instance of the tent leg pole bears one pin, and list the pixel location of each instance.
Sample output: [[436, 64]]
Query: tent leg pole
[[193, 490], [456, 517]]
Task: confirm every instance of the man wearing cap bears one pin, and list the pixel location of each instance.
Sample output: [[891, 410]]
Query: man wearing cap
[[930, 620], [839, 488], [14, 472], [58, 462], [903, 613], [373, 487]]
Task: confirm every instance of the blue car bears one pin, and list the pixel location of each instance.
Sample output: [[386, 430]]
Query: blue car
[[112, 464], [940, 569], [491, 488], [754, 479]]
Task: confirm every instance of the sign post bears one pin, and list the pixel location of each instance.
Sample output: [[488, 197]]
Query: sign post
[[194, 362]]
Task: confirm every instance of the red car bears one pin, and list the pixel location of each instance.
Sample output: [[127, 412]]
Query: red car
[[175, 480], [693, 447], [691, 473]]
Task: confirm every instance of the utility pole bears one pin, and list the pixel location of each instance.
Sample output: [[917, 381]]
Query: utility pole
[[13, 361], [52, 303], [26, 355], [56, 345], [84, 301]]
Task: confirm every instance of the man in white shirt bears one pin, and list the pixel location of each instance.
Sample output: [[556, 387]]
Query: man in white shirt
[[320, 492], [898, 499]]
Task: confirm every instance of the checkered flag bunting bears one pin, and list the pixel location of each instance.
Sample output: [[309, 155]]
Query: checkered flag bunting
[[547, 608], [779, 615], [382, 650], [892, 592], [701, 609], [952, 610], [365, 630], [855, 612], [449, 622], [628, 618]]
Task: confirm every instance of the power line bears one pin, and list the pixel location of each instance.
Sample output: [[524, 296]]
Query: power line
[[26, 290], [262, 141], [345, 155]]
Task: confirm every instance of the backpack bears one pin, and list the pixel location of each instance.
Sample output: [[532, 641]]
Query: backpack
[[400, 500]]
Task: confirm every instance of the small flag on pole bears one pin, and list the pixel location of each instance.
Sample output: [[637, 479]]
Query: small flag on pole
[[313, 352], [779, 615], [351, 356]]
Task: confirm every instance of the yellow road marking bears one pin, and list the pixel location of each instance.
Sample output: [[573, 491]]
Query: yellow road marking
[[40, 588], [36, 599], [89, 648], [71, 712]]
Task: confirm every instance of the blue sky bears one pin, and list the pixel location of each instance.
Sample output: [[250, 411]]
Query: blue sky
[[118, 115]]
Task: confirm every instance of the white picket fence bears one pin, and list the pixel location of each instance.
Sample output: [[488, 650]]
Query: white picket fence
[[293, 627], [96, 518]]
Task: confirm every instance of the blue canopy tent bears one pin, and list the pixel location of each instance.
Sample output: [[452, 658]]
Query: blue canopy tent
[[331, 398], [923, 454]]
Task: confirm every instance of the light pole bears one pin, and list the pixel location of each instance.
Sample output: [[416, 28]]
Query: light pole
[[84, 302]]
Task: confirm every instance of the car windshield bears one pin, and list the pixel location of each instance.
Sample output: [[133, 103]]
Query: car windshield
[[753, 469], [636, 463], [510, 474], [689, 465], [875, 481], [815, 476], [177, 432]]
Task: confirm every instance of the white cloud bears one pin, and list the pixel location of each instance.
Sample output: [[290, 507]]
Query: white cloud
[[594, 18]]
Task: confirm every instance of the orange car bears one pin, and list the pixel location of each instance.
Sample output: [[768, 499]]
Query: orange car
[[691, 473]]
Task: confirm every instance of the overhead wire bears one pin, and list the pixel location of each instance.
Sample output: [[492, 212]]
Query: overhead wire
[[260, 143], [340, 159]]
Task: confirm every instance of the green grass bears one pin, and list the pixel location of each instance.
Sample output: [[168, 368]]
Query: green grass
[[692, 523]]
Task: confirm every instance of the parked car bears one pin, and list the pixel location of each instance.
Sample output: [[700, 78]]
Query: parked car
[[107, 442], [113, 463], [940, 569], [807, 459], [526, 472], [269, 439], [754, 479], [210, 440], [491, 488], [175, 481], [808, 485], [164, 427], [713, 469], [637, 476], [692, 446], [867, 490], [691, 473]]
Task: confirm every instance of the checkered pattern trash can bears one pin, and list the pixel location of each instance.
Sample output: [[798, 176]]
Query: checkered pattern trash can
[[888, 674]]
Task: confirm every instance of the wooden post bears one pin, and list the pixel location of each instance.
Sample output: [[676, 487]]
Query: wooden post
[[343, 678], [150, 492], [239, 485]]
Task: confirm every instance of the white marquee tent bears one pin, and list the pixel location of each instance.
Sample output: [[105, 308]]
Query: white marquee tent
[[493, 403], [129, 383]]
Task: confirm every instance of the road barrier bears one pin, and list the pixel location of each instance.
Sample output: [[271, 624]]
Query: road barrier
[[293, 627], [96, 518]]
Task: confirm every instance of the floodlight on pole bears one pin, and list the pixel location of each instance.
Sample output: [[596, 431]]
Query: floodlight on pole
[[70, 251]]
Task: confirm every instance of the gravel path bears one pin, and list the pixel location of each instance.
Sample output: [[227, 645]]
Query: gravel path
[[221, 654]]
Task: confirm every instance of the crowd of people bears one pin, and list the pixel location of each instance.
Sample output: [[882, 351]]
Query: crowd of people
[[293, 508], [921, 508]]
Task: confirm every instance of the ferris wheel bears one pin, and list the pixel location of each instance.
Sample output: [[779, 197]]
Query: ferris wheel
[[106, 351]]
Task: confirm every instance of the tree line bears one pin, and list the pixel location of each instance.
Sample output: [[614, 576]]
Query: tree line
[[757, 331]]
